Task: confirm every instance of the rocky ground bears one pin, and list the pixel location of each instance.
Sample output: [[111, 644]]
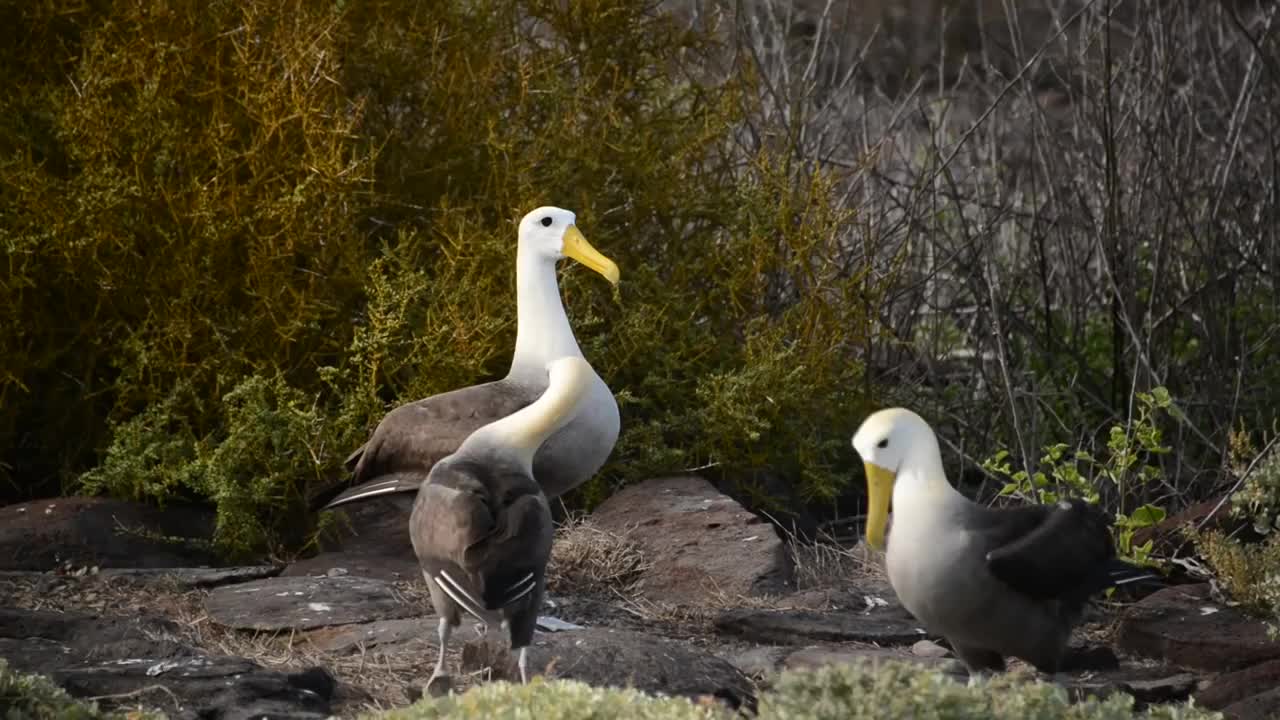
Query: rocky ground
[[670, 586]]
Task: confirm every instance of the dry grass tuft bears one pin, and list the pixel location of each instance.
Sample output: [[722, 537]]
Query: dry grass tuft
[[828, 563], [586, 560]]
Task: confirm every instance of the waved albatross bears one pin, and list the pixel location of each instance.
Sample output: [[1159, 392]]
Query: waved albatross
[[481, 527], [414, 436], [995, 583]]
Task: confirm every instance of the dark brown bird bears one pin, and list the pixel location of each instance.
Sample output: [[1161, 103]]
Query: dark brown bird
[[481, 526]]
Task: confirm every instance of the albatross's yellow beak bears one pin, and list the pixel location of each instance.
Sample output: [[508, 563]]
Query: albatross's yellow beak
[[577, 247], [879, 490]]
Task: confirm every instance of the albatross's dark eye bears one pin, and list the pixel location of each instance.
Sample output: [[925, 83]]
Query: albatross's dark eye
[[546, 222], [883, 443]]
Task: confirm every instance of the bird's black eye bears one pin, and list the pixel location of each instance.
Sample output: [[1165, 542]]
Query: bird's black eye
[[883, 443], [546, 222]]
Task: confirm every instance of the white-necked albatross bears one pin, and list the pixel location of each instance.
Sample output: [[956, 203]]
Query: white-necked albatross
[[481, 526], [413, 437], [996, 583]]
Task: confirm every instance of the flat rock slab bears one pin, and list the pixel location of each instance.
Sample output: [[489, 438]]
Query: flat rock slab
[[618, 658], [191, 578], [101, 532], [1263, 706], [700, 542], [885, 626], [1184, 626], [139, 656], [418, 633], [1233, 687], [304, 603]]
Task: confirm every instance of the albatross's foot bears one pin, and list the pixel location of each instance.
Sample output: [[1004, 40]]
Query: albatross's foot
[[522, 662], [438, 686]]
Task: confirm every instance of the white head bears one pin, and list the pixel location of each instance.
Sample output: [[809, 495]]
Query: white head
[[889, 442], [551, 233]]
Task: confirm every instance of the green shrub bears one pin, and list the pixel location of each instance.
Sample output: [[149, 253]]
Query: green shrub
[[879, 691], [237, 233], [34, 697], [1126, 471]]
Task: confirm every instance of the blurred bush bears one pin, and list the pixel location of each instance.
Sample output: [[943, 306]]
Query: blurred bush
[[236, 233]]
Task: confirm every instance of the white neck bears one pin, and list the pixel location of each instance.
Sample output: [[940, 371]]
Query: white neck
[[921, 486], [520, 434], [542, 329]]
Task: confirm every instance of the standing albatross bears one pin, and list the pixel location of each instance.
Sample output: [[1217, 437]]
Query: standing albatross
[[995, 582], [481, 527], [414, 436]]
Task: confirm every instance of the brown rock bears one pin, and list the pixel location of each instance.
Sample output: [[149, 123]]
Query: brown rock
[[1235, 686], [1184, 626], [91, 531], [701, 543], [1263, 706]]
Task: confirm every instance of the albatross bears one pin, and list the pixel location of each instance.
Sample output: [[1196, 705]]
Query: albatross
[[481, 526], [413, 437], [995, 583]]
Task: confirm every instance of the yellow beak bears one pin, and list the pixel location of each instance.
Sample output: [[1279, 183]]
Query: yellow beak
[[879, 490], [577, 247]]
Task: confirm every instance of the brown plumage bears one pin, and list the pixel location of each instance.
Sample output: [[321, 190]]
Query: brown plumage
[[481, 526]]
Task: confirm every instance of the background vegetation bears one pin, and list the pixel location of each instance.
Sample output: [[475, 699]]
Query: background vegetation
[[236, 233]]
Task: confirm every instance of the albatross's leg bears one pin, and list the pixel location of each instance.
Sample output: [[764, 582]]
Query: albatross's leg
[[523, 664], [980, 662], [439, 682]]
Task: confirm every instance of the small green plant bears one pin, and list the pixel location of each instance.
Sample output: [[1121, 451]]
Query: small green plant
[[1127, 467]]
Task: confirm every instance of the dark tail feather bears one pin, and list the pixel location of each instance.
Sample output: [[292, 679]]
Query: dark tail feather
[[390, 485]]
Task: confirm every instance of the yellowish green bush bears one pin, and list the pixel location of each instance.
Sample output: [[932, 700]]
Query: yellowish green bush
[[236, 233], [879, 691], [564, 699], [1248, 572], [34, 697], [899, 690]]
